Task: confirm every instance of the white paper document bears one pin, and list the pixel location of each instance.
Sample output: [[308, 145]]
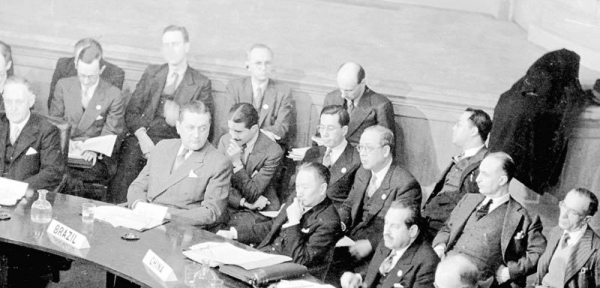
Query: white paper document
[[299, 284], [11, 191], [145, 216], [345, 242], [100, 144], [297, 154], [227, 253]]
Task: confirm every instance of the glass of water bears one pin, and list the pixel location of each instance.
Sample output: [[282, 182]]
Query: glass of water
[[87, 212]]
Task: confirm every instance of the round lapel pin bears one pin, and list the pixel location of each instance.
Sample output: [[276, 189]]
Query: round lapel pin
[[265, 106], [383, 197], [98, 107], [344, 170], [399, 273]]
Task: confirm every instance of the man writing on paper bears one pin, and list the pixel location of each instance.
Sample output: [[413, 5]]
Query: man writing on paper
[[306, 229], [94, 108], [188, 175], [404, 257], [255, 158]]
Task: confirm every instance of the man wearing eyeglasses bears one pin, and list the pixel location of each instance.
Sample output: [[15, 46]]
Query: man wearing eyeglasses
[[336, 154], [493, 230], [572, 258], [94, 108], [378, 183], [187, 175]]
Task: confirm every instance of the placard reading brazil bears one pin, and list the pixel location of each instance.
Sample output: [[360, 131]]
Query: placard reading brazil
[[67, 235]]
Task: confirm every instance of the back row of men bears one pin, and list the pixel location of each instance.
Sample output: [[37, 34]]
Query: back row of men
[[348, 186]]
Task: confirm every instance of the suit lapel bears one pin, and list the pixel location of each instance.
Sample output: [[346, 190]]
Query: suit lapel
[[256, 154], [73, 108], [581, 252], [341, 166], [186, 89], [158, 85], [193, 162], [471, 202], [279, 221], [361, 182], [268, 103], [247, 92], [512, 218], [27, 136], [404, 264], [94, 108], [361, 111], [544, 261], [381, 191]]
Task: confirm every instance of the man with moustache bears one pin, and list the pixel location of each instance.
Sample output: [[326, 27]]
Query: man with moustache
[[255, 158]]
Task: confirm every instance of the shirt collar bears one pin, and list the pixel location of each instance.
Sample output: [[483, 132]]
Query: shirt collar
[[263, 86], [186, 154], [471, 152], [497, 201], [381, 174], [179, 69], [574, 236], [91, 90]]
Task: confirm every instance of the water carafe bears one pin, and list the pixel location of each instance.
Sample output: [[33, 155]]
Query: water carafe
[[41, 210]]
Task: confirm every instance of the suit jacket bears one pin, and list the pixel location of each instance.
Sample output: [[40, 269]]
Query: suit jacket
[[104, 115], [308, 243], [372, 109], [65, 68], [197, 190], [415, 268], [398, 184], [41, 170], [522, 241], [438, 207], [342, 171], [277, 113], [585, 255], [141, 109], [255, 178]]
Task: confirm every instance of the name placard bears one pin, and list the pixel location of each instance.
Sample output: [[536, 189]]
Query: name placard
[[67, 235], [159, 267]]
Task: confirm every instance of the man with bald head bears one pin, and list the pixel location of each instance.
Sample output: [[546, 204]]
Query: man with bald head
[[365, 106], [456, 271]]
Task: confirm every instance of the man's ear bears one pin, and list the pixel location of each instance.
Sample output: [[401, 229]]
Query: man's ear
[[387, 150], [8, 65]]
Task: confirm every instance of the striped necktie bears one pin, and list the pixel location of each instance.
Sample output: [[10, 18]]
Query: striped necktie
[[386, 265]]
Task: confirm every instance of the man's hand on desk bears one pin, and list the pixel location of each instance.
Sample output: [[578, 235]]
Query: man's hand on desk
[[89, 156], [361, 249], [229, 234], [350, 280], [146, 144], [259, 204]]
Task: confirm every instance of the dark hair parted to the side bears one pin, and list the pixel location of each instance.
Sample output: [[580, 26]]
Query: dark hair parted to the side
[[415, 212], [243, 113], [6, 53], [319, 169], [196, 107], [88, 42], [181, 29], [89, 54], [593, 208], [343, 116], [482, 121], [386, 136], [508, 164]]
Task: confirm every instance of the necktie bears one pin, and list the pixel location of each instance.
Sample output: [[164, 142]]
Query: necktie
[[350, 106], [565, 241], [243, 154], [180, 159], [327, 158], [386, 265], [372, 186], [459, 157], [85, 99], [483, 210], [258, 99], [14, 134], [172, 84]]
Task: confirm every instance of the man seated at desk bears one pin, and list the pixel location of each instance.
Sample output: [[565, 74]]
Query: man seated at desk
[[188, 175], [306, 229]]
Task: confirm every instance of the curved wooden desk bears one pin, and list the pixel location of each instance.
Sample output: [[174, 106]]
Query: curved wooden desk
[[107, 249]]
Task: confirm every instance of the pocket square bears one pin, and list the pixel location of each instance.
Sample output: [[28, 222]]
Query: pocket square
[[99, 117], [192, 174], [305, 230], [31, 151], [520, 235], [254, 174]]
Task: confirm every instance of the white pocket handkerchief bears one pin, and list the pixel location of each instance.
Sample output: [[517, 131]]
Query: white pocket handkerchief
[[305, 230], [31, 151], [192, 174], [254, 174], [99, 117]]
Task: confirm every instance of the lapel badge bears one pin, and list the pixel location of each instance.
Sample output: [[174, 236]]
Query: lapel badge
[[398, 285], [98, 107], [305, 230], [383, 197], [399, 275], [265, 106], [343, 170]]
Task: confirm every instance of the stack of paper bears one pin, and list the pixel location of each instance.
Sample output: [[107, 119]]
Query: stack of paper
[[101, 144], [299, 284], [227, 253], [145, 216], [11, 191]]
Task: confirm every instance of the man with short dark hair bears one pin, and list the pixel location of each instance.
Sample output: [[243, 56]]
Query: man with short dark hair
[[188, 175], [336, 153], [456, 271], [94, 108], [572, 258], [469, 134], [306, 230], [153, 108], [366, 107], [403, 257], [255, 158], [67, 67], [493, 230]]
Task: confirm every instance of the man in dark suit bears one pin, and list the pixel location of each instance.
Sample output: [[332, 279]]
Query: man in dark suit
[[94, 108], [469, 134], [255, 158], [377, 184], [404, 258], [572, 258], [29, 145], [336, 153], [188, 175], [366, 107], [5, 68], [272, 99], [306, 230], [153, 108], [67, 67], [492, 229]]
